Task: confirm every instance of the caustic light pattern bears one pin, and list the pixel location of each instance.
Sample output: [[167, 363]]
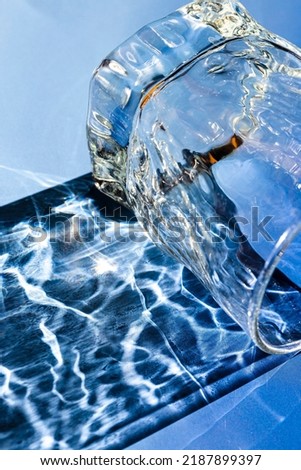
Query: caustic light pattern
[[104, 339]]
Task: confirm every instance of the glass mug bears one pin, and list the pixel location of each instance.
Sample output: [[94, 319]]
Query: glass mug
[[195, 124]]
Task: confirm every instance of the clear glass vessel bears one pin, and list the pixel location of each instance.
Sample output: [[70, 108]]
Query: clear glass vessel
[[195, 124]]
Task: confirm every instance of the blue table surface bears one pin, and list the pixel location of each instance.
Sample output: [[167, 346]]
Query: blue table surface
[[48, 50]]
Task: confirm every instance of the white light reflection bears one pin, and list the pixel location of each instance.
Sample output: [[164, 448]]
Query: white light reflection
[[104, 265]]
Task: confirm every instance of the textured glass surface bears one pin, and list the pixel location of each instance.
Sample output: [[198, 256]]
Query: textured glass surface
[[215, 146], [104, 338], [126, 75], [194, 123]]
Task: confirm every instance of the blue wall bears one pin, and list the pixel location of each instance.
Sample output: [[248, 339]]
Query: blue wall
[[281, 17]]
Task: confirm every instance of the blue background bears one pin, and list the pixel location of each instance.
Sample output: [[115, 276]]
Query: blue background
[[48, 50]]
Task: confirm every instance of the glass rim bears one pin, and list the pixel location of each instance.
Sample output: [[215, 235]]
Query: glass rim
[[259, 290]]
